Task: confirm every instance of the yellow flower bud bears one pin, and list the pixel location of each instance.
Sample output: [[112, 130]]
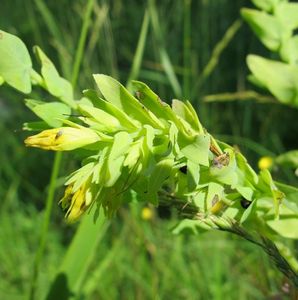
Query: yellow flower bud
[[63, 138], [265, 162], [147, 213]]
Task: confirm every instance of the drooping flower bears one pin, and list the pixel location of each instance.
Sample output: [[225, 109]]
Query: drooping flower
[[76, 202]]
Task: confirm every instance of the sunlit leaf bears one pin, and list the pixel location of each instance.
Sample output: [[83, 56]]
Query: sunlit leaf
[[15, 62], [52, 113], [267, 28], [279, 78], [56, 85]]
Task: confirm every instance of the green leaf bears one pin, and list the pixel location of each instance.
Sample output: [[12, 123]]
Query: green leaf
[[291, 196], [287, 227], [105, 121], [52, 113], [15, 62], [35, 126], [152, 101], [122, 142], [56, 85], [267, 28], [288, 159], [162, 170], [193, 175], [226, 174], [198, 150], [110, 108], [267, 5], [117, 94], [279, 78], [181, 109], [287, 14], [289, 50], [1, 80]]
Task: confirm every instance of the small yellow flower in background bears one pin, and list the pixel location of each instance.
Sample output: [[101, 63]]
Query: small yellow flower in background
[[63, 138], [147, 213], [265, 162]]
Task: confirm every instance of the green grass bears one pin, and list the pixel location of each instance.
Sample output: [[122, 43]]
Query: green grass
[[169, 47]]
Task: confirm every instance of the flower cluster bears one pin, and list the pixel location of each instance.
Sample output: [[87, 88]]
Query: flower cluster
[[137, 142]]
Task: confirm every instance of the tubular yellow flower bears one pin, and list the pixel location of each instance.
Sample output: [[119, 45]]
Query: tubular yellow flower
[[63, 138], [76, 202], [265, 162]]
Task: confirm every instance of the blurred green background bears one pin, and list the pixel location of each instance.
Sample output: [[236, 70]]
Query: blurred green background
[[188, 54]]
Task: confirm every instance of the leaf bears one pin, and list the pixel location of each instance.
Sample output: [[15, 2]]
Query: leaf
[[193, 175], [291, 196], [152, 101], [105, 121], [266, 27], [162, 170], [226, 174], [117, 94], [183, 110], [1, 80], [288, 159], [198, 150], [35, 126], [267, 5], [287, 14], [15, 62], [56, 85], [110, 108], [287, 227], [52, 113], [289, 50], [122, 142], [279, 78]]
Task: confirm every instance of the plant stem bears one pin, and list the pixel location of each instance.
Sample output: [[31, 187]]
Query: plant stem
[[46, 221], [190, 211]]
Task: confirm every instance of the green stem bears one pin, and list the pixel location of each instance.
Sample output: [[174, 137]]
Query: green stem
[[81, 44], [45, 225]]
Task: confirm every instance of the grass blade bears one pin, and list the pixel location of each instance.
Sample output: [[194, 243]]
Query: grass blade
[[79, 256], [136, 65], [164, 57]]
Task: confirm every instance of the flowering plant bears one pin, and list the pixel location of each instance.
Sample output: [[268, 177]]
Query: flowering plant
[[136, 145]]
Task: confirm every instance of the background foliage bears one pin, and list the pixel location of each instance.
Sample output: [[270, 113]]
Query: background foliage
[[137, 258]]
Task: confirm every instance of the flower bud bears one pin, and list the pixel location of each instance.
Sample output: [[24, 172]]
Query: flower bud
[[63, 138]]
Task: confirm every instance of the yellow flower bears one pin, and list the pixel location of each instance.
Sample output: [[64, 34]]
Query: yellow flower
[[265, 162], [147, 213], [76, 202], [63, 138]]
